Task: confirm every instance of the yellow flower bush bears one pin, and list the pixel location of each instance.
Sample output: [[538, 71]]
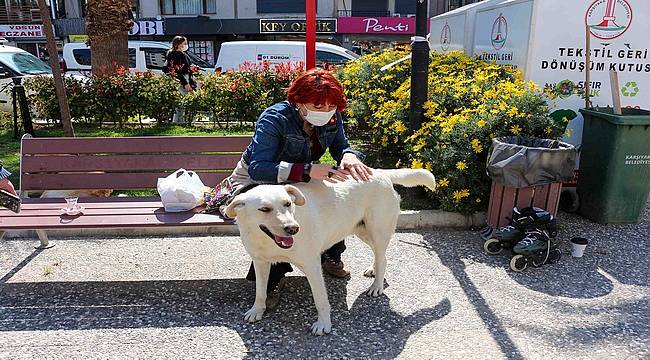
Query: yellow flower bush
[[469, 103]]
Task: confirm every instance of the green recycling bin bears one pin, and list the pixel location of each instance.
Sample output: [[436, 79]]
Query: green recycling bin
[[614, 178]]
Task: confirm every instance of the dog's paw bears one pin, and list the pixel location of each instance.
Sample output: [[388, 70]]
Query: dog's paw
[[254, 314], [375, 290], [321, 328], [370, 272]]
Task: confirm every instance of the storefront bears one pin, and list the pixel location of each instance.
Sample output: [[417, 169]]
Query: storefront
[[29, 37], [294, 29], [362, 34], [205, 35]]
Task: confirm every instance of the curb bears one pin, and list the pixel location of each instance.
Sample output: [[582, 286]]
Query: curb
[[408, 220]]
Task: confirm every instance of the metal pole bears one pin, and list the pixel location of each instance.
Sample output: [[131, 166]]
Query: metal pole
[[419, 65], [14, 101], [310, 19], [24, 106], [587, 64]]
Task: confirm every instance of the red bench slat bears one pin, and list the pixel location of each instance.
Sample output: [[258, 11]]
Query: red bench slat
[[82, 163], [112, 221], [129, 145], [120, 214], [30, 182]]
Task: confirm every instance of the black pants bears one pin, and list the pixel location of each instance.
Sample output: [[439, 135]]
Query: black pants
[[280, 269]]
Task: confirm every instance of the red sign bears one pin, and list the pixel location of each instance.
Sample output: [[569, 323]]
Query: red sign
[[377, 25]]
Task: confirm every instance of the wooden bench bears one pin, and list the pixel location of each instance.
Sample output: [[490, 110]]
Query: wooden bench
[[118, 164]]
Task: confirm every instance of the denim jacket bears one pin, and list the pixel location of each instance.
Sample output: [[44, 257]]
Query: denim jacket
[[280, 141]]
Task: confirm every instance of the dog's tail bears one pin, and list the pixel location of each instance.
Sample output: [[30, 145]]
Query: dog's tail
[[411, 177]]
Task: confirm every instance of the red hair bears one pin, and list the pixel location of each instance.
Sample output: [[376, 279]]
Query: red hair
[[317, 86]]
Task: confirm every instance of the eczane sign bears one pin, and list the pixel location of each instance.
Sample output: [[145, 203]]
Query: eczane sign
[[22, 31]]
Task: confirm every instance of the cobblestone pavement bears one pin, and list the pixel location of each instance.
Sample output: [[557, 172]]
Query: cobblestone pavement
[[184, 297]]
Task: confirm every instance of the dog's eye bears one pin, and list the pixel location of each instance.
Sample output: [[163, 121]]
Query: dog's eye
[[287, 204], [264, 209]]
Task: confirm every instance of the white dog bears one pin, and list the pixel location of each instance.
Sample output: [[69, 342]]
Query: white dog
[[274, 230]]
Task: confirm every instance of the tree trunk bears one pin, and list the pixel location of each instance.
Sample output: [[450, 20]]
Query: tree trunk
[[107, 25], [66, 119]]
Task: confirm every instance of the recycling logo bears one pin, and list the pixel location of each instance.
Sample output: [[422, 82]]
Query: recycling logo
[[630, 89]]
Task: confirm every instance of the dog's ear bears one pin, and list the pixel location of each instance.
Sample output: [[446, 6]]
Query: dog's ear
[[296, 195], [233, 207]]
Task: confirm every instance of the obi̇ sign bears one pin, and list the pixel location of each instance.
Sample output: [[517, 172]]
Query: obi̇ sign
[[22, 31], [147, 27], [376, 25]]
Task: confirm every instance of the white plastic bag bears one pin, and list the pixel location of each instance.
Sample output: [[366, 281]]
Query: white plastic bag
[[181, 191]]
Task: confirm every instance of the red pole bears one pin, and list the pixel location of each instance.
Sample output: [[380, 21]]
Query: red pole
[[310, 12]]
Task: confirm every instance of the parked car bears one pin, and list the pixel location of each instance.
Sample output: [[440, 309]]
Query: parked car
[[15, 62], [235, 53], [143, 56]]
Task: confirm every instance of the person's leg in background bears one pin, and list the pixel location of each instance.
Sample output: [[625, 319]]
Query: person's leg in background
[[179, 115], [277, 278], [332, 263]]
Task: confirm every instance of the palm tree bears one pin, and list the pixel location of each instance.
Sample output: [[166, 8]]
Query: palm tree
[[107, 25]]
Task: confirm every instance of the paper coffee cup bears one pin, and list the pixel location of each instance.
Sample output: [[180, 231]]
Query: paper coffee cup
[[578, 246]]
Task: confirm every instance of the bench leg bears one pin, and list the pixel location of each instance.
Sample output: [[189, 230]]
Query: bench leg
[[45, 241]]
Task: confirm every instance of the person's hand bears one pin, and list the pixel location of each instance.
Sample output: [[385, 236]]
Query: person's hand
[[7, 186], [355, 167], [328, 173], [188, 88]]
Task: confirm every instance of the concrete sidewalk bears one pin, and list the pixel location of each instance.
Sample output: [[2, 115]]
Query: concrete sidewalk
[[183, 297]]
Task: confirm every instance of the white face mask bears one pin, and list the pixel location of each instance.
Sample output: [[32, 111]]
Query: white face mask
[[183, 47], [319, 118]]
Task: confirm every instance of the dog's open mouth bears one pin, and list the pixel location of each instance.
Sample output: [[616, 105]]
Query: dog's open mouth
[[285, 242]]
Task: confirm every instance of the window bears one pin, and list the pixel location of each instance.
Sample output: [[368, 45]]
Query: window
[[188, 7], [83, 57], [330, 58], [405, 7], [203, 49], [155, 58], [24, 63], [281, 6], [374, 8]]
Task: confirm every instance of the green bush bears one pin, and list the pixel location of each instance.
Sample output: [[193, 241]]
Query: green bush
[[367, 86], [234, 96]]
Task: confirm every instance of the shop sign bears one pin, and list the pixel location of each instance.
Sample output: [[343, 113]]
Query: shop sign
[[147, 27], [78, 38], [22, 31], [376, 25], [287, 26]]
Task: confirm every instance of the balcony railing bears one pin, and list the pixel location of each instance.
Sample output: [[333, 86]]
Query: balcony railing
[[349, 13], [19, 15]]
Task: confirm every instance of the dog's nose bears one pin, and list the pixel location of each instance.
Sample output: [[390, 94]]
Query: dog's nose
[[292, 230]]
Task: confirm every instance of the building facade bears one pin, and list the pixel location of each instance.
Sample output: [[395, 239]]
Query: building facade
[[438, 7], [21, 26], [354, 24]]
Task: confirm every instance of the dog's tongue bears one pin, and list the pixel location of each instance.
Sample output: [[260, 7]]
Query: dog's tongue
[[285, 241]]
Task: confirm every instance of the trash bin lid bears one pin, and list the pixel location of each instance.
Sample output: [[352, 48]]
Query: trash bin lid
[[630, 116]]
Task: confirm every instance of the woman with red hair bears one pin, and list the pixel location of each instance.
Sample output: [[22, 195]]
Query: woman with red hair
[[288, 137]]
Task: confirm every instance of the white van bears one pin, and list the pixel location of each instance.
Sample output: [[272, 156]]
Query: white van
[[143, 56], [235, 53], [15, 62]]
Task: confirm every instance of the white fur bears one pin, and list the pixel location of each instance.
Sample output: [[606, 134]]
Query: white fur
[[330, 213]]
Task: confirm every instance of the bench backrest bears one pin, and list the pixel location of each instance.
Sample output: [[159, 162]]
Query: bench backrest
[[125, 163]]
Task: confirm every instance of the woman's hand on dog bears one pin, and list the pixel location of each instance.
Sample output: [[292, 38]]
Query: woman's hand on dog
[[328, 173], [355, 167]]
